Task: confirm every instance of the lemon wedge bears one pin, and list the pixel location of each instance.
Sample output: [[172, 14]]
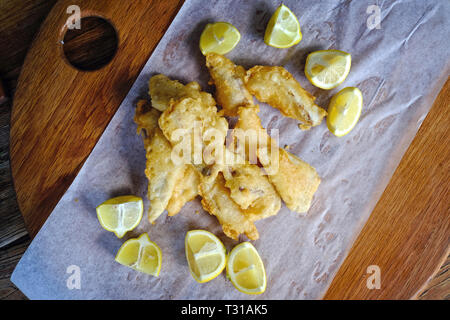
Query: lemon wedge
[[120, 214], [205, 255], [141, 254], [219, 37], [246, 269], [283, 29], [327, 69], [344, 111]]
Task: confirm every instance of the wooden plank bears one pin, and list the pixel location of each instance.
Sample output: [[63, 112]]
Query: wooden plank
[[11, 222], [439, 287], [19, 23], [9, 258], [407, 235]]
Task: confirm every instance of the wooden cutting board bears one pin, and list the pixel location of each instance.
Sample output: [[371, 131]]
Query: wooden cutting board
[[60, 112]]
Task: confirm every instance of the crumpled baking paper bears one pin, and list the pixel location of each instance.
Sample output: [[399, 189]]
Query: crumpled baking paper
[[399, 66]]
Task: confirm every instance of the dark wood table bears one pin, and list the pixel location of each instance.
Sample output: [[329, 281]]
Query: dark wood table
[[19, 21]]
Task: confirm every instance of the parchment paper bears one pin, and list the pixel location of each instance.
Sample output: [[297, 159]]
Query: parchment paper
[[400, 68]]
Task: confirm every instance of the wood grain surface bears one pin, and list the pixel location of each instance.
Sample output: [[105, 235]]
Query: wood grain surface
[[92, 46], [25, 16]]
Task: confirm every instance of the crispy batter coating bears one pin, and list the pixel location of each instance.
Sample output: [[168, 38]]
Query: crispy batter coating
[[167, 182], [197, 118], [245, 195], [295, 180], [146, 119], [243, 182], [162, 90], [239, 192], [217, 201], [161, 172], [277, 87], [251, 189], [186, 189], [191, 125], [228, 78]]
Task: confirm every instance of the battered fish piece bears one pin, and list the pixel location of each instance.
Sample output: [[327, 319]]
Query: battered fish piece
[[217, 201], [146, 119], [244, 184], [251, 190], [186, 189], [196, 130], [228, 78], [277, 87], [295, 180], [167, 181], [162, 174], [162, 90]]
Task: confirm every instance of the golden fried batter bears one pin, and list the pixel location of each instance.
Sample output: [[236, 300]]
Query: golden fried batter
[[217, 201], [167, 181], [237, 192], [162, 174], [277, 87], [186, 189], [295, 180], [195, 127], [146, 119], [162, 90], [251, 190], [228, 78]]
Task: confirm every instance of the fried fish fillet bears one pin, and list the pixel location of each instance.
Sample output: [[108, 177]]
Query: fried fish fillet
[[186, 189], [162, 174], [251, 189], [295, 180], [146, 119], [244, 183], [167, 181], [195, 117], [277, 87], [228, 78], [217, 201], [162, 90], [195, 129], [241, 194]]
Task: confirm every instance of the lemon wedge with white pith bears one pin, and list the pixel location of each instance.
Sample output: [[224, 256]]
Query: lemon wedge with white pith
[[283, 29], [141, 254], [219, 37], [205, 255], [344, 111], [246, 270], [120, 214], [327, 69]]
